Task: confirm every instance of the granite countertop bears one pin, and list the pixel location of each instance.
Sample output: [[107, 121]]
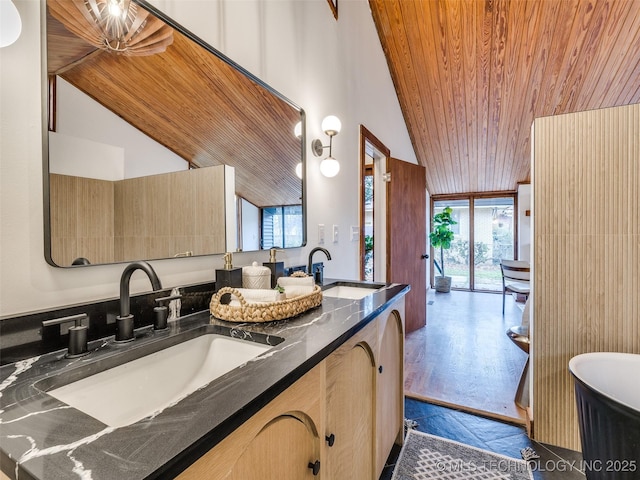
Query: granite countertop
[[43, 438]]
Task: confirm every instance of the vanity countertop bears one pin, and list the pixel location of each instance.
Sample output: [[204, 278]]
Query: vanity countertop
[[43, 438]]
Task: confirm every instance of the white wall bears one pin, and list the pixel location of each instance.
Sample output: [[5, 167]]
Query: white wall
[[524, 222], [326, 67], [142, 155]]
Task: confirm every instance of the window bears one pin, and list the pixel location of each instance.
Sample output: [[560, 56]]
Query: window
[[282, 227], [487, 223]]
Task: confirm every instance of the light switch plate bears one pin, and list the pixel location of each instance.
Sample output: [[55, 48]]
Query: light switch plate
[[355, 233], [335, 234], [321, 233]]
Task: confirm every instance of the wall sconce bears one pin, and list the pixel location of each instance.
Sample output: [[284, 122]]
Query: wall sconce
[[331, 126], [10, 23]]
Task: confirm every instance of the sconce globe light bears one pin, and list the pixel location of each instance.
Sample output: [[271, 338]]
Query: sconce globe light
[[10, 23], [331, 126], [329, 167]]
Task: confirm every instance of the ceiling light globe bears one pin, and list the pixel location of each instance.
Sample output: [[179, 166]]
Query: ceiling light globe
[[331, 125], [299, 170], [329, 167], [297, 130]]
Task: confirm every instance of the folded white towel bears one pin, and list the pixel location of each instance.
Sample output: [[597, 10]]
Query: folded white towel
[[293, 291], [297, 281], [255, 295]]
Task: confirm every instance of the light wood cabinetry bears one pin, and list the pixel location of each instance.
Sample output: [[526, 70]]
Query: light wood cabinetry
[[345, 414], [279, 442], [349, 408], [389, 386]]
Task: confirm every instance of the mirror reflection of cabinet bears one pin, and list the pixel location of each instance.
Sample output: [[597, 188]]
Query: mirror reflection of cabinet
[[187, 107], [180, 213]]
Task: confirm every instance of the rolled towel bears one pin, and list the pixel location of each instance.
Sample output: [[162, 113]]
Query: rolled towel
[[255, 295], [296, 281], [293, 291]]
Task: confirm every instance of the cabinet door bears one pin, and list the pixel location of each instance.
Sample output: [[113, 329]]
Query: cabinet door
[[389, 388], [349, 414], [283, 450], [278, 442]]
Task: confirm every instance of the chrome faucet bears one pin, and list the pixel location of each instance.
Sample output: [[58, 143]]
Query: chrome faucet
[[124, 322], [318, 274]]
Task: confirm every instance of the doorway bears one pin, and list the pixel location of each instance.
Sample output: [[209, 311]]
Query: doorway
[[398, 240], [373, 225]]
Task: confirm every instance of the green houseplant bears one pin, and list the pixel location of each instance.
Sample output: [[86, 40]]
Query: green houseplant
[[441, 237]]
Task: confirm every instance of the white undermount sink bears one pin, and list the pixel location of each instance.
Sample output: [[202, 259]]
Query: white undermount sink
[[350, 292], [145, 386]]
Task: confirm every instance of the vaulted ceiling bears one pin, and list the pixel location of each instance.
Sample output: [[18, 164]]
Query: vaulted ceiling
[[472, 75]]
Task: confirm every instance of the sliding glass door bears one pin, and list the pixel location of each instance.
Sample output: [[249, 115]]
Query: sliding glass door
[[455, 260], [493, 235], [487, 223]]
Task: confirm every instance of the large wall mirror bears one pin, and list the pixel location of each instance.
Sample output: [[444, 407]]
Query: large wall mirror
[[159, 146]]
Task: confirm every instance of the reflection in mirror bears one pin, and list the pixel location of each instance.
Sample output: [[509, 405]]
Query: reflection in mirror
[[161, 148]]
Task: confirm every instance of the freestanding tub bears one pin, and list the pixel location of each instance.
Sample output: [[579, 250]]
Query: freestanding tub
[[607, 389]]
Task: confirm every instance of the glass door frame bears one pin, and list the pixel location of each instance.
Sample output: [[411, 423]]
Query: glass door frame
[[471, 197]]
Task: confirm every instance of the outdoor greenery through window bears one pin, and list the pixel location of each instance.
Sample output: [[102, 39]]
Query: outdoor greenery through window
[[282, 227], [368, 228], [488, 226]]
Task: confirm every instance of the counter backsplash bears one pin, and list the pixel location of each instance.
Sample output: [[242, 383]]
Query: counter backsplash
[[24, 336]]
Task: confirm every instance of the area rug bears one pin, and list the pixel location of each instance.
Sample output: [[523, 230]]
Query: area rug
[[425, 456]]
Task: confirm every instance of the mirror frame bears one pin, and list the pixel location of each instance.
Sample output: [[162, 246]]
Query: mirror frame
[[45, 101]]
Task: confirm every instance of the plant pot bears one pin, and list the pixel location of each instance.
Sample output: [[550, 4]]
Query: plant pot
[[443, 284]]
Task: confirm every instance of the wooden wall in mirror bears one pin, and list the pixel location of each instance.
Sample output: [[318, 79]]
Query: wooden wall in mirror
[[136, 141]]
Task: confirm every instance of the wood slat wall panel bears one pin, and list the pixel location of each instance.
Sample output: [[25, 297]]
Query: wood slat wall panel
[[471, 76], [176, 212], [586, 254], [82, 223], [148, 217]]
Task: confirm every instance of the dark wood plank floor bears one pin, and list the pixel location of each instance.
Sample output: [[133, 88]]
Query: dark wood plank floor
[[463, 358]]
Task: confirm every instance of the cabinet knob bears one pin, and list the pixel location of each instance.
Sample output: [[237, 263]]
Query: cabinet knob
[[380, 369], [315, 467], [331, 439]]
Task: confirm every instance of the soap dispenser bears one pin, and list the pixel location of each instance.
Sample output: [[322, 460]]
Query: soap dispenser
[[277, 268], [228, 276]]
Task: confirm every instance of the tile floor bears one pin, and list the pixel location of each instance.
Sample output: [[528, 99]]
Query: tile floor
[[555, 463]]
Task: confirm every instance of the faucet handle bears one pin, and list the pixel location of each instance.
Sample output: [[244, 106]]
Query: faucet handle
[[162, 311], [78, 344], [161, 300]]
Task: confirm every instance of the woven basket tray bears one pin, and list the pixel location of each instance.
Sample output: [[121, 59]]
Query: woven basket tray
[[264, 312]]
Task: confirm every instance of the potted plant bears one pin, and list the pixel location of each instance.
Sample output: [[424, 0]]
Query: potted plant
[[441, 237]]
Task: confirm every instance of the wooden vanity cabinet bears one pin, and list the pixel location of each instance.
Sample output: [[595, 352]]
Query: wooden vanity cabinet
[[345, 414], [280, 442], [350, 394], [390, 384]]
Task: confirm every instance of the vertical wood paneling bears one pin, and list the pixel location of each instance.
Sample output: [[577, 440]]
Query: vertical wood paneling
[[174, 213], [81, 219], [586, 253], [126, 220]]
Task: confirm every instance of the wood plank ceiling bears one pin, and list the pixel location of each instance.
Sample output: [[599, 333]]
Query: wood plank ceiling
[[471, 76]]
